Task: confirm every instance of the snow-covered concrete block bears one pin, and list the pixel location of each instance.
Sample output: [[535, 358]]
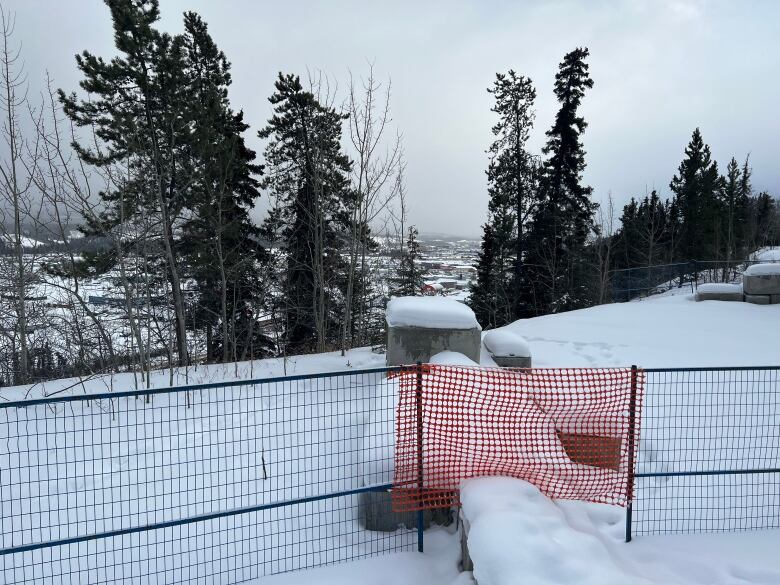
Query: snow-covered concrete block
[[719, 291], [762, 279], [758, 299], [420, 327], [508, 349]]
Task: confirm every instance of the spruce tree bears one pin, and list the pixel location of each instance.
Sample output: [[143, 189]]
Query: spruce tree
[[220, 241], [733, 202], [513, 197], [513, 190], [482, 297], [410, 278], [696, 186], [564, 219], [308, 178]]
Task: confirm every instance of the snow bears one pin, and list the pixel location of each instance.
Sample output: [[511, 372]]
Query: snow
[[719, 287], [355, 359], [770, 269], [517, 535], [451, 358], [504, 342], [767, 255], [433, 312], [438, 564], [26, 241], [657, 332]]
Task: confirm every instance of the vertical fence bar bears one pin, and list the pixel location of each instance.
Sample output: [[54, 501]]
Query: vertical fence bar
[[420, 513], [631, 446]]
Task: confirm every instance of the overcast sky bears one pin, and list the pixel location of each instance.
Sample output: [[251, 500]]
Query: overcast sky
[[660, 67]]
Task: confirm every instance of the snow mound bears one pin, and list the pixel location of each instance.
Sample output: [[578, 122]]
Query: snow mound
[[432, 312], [763, 270], [505, 343], [767, 255], [451, 358], [719, 287], [518, 535]]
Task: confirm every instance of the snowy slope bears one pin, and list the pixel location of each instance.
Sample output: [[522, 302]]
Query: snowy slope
[[657, 332], [355, 359]]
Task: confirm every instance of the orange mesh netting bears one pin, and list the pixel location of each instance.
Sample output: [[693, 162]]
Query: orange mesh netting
[[567, 431]]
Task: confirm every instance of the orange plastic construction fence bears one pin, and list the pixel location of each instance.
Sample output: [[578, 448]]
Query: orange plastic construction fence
[[570, 432]]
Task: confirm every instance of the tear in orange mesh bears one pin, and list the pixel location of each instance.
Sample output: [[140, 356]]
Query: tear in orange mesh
[[567, 431]]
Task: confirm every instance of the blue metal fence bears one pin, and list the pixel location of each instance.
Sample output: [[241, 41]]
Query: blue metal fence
[[228, 482], [215, 483], [709, 456]]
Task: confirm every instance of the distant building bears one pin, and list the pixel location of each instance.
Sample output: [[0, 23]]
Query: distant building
[[432, 288]]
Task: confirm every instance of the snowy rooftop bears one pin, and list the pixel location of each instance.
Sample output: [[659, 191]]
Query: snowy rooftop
[[431, 312]]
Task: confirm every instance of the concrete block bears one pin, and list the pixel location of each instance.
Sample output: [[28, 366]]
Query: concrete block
[[466, 562], [762, 279], [719, 292], [774, 299], [507, 348], [719, 296], [376, 513], [758, 299], [512, 361], [407, 345]]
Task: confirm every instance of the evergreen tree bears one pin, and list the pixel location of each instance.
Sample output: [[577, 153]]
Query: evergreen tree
[[564, 220], [696, 186], [482, 299], [733, 201], [764, 221], [512, 188], [410, 279], [221, 242], [308, 179], [137, 107]]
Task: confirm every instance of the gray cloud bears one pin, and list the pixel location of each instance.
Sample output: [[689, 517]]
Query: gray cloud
[[660, 69]]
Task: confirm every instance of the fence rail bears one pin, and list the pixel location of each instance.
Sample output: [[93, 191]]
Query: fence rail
[[213, 483]]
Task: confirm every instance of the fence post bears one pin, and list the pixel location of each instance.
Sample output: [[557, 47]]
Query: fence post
[[631, 446], [420, 481]]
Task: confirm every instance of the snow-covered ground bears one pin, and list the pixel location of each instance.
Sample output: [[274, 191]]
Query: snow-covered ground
[[663, 331], [517, 535], [568, 542], [355, 359]]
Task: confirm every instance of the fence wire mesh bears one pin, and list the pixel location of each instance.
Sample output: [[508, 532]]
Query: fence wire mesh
[[210, 484], [709, 459], [625, 284]]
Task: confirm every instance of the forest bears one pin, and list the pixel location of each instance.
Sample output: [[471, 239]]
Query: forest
[[129, 242], [548, 247]]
